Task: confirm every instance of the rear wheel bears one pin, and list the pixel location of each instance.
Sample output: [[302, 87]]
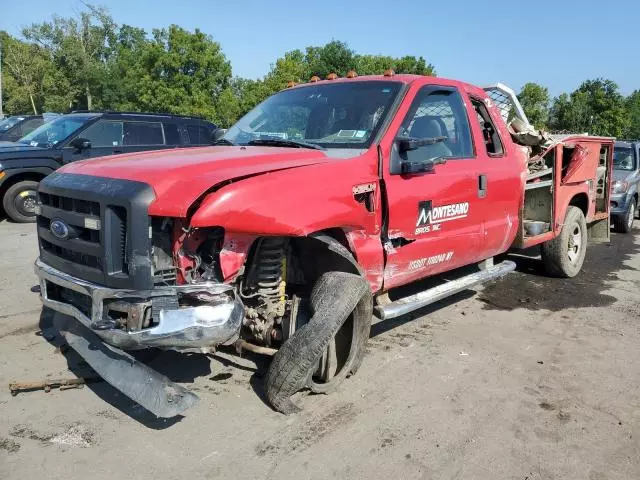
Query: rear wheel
[[323, 352], [624, 223], [20, 201], [564, 255]]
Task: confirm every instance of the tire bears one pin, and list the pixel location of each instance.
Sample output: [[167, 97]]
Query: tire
[[335, 298], [20, 200], [624, 223], [564, 255]]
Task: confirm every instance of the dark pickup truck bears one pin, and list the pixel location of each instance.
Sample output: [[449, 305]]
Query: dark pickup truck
[[81, 136]]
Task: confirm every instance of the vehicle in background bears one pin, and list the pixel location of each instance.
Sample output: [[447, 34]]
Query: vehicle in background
[[84, 135], [626, 177], [312, 212], [15, 127]]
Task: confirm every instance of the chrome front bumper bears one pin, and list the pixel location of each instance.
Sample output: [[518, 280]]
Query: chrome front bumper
[[217, 321]]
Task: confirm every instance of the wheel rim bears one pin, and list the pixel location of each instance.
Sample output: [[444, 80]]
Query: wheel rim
[[630, 214], [575, 244], [26, 202], [336, 357]]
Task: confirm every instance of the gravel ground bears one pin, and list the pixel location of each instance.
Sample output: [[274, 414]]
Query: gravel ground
[[530, 378]]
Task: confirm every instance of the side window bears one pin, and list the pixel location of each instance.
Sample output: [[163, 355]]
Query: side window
[[143, 133], [198, 135], [104, 133], [171, 134], [490, 135], [438, 114]]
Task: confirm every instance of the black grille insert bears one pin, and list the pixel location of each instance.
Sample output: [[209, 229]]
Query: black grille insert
[[71, 255], [70, 204]]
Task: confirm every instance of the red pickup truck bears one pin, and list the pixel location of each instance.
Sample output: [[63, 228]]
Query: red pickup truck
[[302, 221]]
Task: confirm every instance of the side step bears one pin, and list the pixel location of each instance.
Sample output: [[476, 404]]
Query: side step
[[432, 295]]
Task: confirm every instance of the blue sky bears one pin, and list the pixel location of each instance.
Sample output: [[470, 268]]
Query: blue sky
[[556, 43]]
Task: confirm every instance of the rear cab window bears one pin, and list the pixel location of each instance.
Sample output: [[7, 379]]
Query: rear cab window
[[490, 136]]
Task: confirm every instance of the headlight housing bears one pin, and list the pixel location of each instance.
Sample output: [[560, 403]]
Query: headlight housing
[[620, 186]]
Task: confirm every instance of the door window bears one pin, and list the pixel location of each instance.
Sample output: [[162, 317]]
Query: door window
[[490, 136], [104, 133], [438, 114], [171, 134], [143, 133], [198, 135]]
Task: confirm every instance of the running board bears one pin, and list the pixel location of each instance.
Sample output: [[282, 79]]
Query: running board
[[432, 295]]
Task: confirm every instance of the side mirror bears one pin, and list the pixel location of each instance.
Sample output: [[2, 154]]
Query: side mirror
[[80, 143], [217, 134]]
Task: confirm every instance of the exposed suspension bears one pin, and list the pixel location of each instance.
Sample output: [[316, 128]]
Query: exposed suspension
[[264, 289]]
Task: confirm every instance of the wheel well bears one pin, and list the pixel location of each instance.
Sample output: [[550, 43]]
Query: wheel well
[[581, 200], [20, 177]]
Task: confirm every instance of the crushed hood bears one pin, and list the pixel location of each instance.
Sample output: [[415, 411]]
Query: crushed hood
[[180, 176]]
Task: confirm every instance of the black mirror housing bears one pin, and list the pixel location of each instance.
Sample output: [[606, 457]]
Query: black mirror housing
[[409, 168], [80, 143], [217, 134]]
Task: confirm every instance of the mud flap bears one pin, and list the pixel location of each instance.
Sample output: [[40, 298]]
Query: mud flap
[[145, 386], [599, 231]]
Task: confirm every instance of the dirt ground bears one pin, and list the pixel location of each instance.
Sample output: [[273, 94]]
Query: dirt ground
[[531, 378]]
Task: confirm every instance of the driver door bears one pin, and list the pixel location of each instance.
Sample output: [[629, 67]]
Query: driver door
[[434, 221]]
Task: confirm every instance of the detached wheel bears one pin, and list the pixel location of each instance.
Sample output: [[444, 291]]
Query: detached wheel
[[330, 347], [564, 255], [624, 223], [20, 201]]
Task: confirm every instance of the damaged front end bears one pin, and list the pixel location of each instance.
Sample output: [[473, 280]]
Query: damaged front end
[[117, 271], [188, 316]]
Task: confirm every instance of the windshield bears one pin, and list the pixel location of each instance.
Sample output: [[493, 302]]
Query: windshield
[[623, 158], [56, 130], [9, 122], [340, 115]]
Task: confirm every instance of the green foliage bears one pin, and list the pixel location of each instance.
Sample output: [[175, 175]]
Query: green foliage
[[633, 107], [535, 102], [88, 61], [596, 107]]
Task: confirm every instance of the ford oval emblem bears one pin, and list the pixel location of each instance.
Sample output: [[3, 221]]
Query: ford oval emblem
[[59, 229]]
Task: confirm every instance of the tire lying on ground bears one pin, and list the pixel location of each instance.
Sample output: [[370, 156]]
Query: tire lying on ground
[[564, 255], [335, 297]]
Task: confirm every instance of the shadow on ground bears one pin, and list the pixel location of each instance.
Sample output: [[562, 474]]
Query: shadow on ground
[[529, 287]]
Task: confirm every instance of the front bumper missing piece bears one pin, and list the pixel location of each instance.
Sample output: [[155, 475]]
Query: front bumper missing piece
[[215, 323]]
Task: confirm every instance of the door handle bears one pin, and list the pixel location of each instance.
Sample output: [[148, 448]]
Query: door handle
[[482, 186]]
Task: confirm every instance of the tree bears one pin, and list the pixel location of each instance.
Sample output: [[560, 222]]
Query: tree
[[596, 107], [30, 77], [80, 47], [176, 72], [535, 102], [633, 107]]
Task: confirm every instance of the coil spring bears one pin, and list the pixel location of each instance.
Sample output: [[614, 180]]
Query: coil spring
[[266, 273]]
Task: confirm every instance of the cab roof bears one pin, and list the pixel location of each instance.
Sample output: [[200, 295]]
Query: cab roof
[[399, 78]]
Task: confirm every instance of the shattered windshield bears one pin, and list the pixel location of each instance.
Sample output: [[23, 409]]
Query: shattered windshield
[[623, 159], [339, 115], [56, 130]]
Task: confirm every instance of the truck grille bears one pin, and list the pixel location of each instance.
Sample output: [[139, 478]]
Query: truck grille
[[108, 224]]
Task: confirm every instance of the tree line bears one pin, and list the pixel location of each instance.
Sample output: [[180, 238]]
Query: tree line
[[90, 62]]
